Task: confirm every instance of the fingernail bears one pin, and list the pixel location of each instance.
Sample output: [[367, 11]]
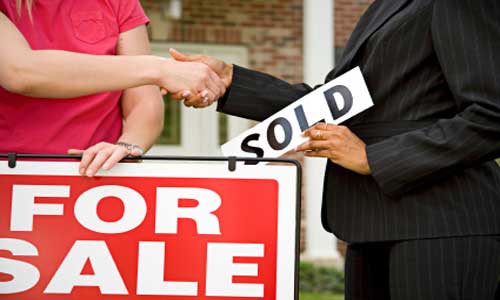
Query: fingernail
[[106, 167], [204, 94], [90, 173], [186, 94]]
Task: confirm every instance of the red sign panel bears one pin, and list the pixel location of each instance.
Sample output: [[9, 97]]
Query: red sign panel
[[68, 237]]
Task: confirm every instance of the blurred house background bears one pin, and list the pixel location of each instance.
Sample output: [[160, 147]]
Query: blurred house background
[[296, 40]]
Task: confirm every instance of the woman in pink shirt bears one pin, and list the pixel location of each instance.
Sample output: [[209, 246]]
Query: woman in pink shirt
[[77, 77]]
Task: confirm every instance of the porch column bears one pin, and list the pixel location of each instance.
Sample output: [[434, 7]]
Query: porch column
[[319, 55]]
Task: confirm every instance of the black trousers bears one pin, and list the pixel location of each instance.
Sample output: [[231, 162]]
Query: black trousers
[[465, 268]]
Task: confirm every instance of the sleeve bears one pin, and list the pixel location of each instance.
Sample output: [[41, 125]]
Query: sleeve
[[466, 38], [130, 15], [254, 95]]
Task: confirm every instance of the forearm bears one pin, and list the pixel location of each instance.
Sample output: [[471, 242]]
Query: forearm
[[143, 116], [254, 95], [61, 74]]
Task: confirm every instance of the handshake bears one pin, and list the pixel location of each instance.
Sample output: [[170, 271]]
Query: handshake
[[198, 80]]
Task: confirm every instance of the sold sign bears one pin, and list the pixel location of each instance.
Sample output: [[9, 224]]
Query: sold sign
[[334, 102], [166, 232]]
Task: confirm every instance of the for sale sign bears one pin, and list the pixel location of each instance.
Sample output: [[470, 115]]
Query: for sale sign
[[147, 231]]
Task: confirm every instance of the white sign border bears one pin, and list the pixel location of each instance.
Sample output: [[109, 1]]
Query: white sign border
[[285, 175]]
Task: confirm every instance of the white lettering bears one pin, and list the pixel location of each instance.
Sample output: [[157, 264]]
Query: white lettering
[[24, 206], [133, 215], [25, 276], [168, 211], [221, 269], [106, 275]]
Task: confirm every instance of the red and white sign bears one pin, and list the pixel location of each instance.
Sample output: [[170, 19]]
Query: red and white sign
[[147, 232]]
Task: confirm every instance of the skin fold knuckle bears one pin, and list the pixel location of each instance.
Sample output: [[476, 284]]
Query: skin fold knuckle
[[333, 144], [89, 152]]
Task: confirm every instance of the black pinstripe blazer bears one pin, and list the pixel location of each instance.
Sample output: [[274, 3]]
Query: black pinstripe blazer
[[433, 69]]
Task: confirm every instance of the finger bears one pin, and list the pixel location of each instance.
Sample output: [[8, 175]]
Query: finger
[[98, 162], [75, 151], [220, 84], [136, 152], [205, 102], [313, 145], [217, 85], [320, 153], [115, 157], [221, 88], [207, 97], [163, 91], [183, 57], [201, 100], [319, 135], [324, 126], [212, 87], [194, 101], [181, 95], [87, 158]]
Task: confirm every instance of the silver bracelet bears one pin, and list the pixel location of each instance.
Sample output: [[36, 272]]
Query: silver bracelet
[[130, 147]]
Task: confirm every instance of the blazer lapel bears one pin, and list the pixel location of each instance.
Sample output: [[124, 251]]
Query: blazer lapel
[[374, 18]]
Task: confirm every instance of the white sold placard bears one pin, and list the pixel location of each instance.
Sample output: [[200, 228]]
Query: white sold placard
[[334, 103]]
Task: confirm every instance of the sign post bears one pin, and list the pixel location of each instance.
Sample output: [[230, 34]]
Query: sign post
[[151, 231]]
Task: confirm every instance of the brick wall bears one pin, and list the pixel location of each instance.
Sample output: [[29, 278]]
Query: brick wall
[[347, 14], [270, 29]]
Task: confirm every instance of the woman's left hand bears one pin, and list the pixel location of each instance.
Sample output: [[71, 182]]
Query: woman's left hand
[[339, 144], [100, 156]]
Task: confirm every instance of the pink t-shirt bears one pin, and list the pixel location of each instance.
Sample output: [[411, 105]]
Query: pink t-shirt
[[40, 126]]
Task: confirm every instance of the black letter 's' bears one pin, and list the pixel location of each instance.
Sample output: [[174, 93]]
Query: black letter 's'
[[249, 149]]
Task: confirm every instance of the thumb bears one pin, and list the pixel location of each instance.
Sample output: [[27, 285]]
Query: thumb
[[184, 57], [179, 56]]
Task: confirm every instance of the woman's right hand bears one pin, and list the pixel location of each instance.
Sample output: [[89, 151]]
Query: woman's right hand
[[190, 78], [221, 68]]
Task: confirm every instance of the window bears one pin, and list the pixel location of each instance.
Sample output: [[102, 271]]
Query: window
[[171, 134]]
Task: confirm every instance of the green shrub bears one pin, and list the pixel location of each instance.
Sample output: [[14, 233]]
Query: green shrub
[[317, 279]]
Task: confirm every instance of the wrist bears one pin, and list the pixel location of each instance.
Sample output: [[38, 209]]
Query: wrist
[[131, 147], [366, 163], [228, 75], [157, 67]]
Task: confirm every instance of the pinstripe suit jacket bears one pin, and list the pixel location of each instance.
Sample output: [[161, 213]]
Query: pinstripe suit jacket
[[433, 69]]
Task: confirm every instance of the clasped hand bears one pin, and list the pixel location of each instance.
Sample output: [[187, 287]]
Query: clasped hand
[[218, 68], [191, 79]]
